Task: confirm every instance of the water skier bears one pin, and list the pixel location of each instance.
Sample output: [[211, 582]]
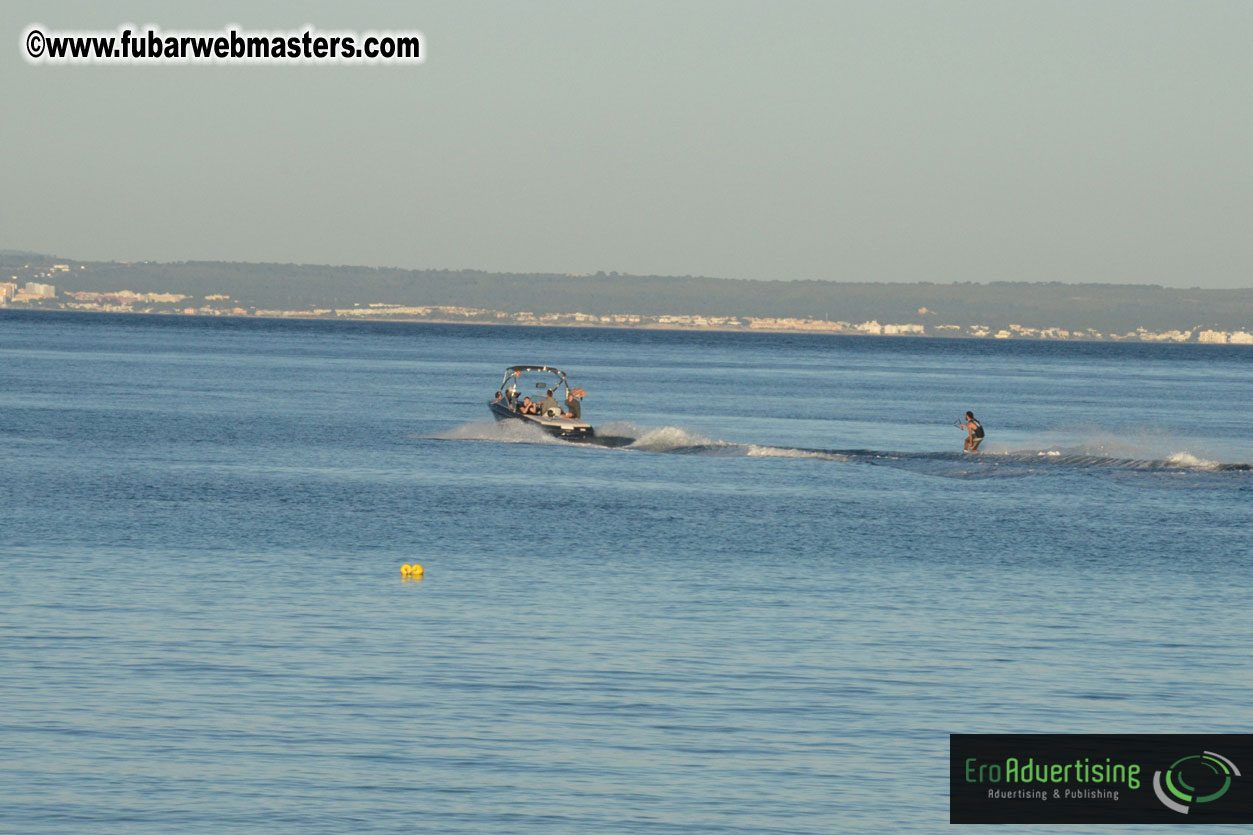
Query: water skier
[[974, 433]]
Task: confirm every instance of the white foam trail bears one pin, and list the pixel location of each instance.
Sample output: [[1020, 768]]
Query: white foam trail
[[1146, 444], [1124, 455], [671, 438], [674, 439], [1187, 460], [755, 451], [500, 432], [668, 438]]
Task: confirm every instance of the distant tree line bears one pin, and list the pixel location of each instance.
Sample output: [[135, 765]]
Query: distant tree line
[[1103, 307]]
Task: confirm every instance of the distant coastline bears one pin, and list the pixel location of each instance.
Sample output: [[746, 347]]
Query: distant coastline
[[306, 316], [1002, 310]]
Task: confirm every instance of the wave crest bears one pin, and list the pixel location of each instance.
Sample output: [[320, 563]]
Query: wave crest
[[1187, 460]]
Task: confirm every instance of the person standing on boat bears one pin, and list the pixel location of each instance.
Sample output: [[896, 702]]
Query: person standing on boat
[[974, 432], [549, 403]]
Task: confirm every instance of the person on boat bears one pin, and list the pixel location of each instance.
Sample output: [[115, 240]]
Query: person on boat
[[974, 433], [573, 408], [527, 407], [498, 397], [549, 405]]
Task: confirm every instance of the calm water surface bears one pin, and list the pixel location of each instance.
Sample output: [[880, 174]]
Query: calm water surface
[[764, 614]]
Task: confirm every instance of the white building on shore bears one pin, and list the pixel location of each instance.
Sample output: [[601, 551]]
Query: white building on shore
[[35, 290]]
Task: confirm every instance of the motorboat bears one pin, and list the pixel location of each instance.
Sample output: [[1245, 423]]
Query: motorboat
[[541, 395]]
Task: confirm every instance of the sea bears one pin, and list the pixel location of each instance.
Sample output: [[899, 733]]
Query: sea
[[760, 605]]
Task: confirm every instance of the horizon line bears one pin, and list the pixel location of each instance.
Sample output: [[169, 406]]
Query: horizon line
[[617, 274]]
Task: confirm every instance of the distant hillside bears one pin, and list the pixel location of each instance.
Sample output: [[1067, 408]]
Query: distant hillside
[[1105, 307]]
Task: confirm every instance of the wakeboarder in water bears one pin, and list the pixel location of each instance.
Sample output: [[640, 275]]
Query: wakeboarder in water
[[974, 433]]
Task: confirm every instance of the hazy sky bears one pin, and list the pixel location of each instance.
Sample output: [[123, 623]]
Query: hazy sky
[[879, 141]]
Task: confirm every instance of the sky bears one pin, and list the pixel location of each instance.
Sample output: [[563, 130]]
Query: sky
[[848, 141]]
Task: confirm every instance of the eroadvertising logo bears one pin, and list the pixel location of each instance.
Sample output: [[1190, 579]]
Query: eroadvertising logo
[[1099, 778]]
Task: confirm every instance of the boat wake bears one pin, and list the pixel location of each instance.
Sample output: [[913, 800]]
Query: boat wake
[[993, 462], [499, 432]]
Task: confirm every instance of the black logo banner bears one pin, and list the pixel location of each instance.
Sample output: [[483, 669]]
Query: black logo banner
[[1100, 778]]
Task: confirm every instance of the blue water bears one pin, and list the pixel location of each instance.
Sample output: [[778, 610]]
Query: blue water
[[764, 613]]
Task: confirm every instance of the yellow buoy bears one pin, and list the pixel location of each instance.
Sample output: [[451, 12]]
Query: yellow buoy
[[407, 569], [416, 569]]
